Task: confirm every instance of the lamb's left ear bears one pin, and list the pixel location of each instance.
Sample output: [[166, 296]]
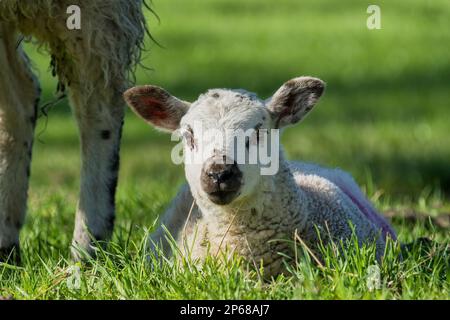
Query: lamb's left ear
[[294, 100], [156, 106]]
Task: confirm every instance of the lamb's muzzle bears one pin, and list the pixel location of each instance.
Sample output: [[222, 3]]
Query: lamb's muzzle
[[221, 179]]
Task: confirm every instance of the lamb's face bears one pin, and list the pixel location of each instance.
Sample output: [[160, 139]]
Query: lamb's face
[[220, 131]]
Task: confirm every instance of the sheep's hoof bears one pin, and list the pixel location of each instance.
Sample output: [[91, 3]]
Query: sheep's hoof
[[86, 252]]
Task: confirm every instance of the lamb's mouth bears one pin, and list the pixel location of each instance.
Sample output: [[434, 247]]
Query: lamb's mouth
[[223, 197]]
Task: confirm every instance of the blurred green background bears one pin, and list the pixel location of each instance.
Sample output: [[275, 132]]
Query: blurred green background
[[384, 116]]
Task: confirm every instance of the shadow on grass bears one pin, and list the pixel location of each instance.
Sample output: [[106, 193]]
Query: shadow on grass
[[408, 175]]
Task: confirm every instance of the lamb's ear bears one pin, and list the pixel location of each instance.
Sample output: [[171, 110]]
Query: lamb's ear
[[156, 106], [294, 100]]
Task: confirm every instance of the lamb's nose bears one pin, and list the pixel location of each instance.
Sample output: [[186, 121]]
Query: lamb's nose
[[221, 180], [222, 173]]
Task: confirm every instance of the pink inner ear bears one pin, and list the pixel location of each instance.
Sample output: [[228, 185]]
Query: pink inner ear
[[152, 109]]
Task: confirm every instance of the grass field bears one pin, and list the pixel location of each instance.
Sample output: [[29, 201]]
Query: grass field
[[384, 118]]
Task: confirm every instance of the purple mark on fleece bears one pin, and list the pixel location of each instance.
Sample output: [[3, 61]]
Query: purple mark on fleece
[[371, 214]]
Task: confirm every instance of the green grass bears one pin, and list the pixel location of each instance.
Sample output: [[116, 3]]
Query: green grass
[[384, 118]]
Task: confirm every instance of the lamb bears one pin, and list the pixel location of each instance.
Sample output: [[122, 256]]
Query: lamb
[[237, 209], [95, 63]]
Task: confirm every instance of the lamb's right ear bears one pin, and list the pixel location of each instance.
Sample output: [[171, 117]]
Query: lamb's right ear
[[294, 100], [156, 106]]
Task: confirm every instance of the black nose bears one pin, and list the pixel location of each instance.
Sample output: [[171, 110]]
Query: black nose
[[222, 173], [221, 179]]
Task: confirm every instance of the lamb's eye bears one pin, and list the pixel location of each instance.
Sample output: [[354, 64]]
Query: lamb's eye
[[188, 135], [255, 136]]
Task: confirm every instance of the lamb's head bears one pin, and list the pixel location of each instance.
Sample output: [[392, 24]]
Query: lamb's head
[[224, 126]]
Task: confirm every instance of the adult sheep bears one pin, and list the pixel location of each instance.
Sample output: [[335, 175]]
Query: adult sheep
[[95, 63], [239, 208]]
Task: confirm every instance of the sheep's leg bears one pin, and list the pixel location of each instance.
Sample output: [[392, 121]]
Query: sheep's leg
[[19, 95], [94, 63], [100, 118]]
